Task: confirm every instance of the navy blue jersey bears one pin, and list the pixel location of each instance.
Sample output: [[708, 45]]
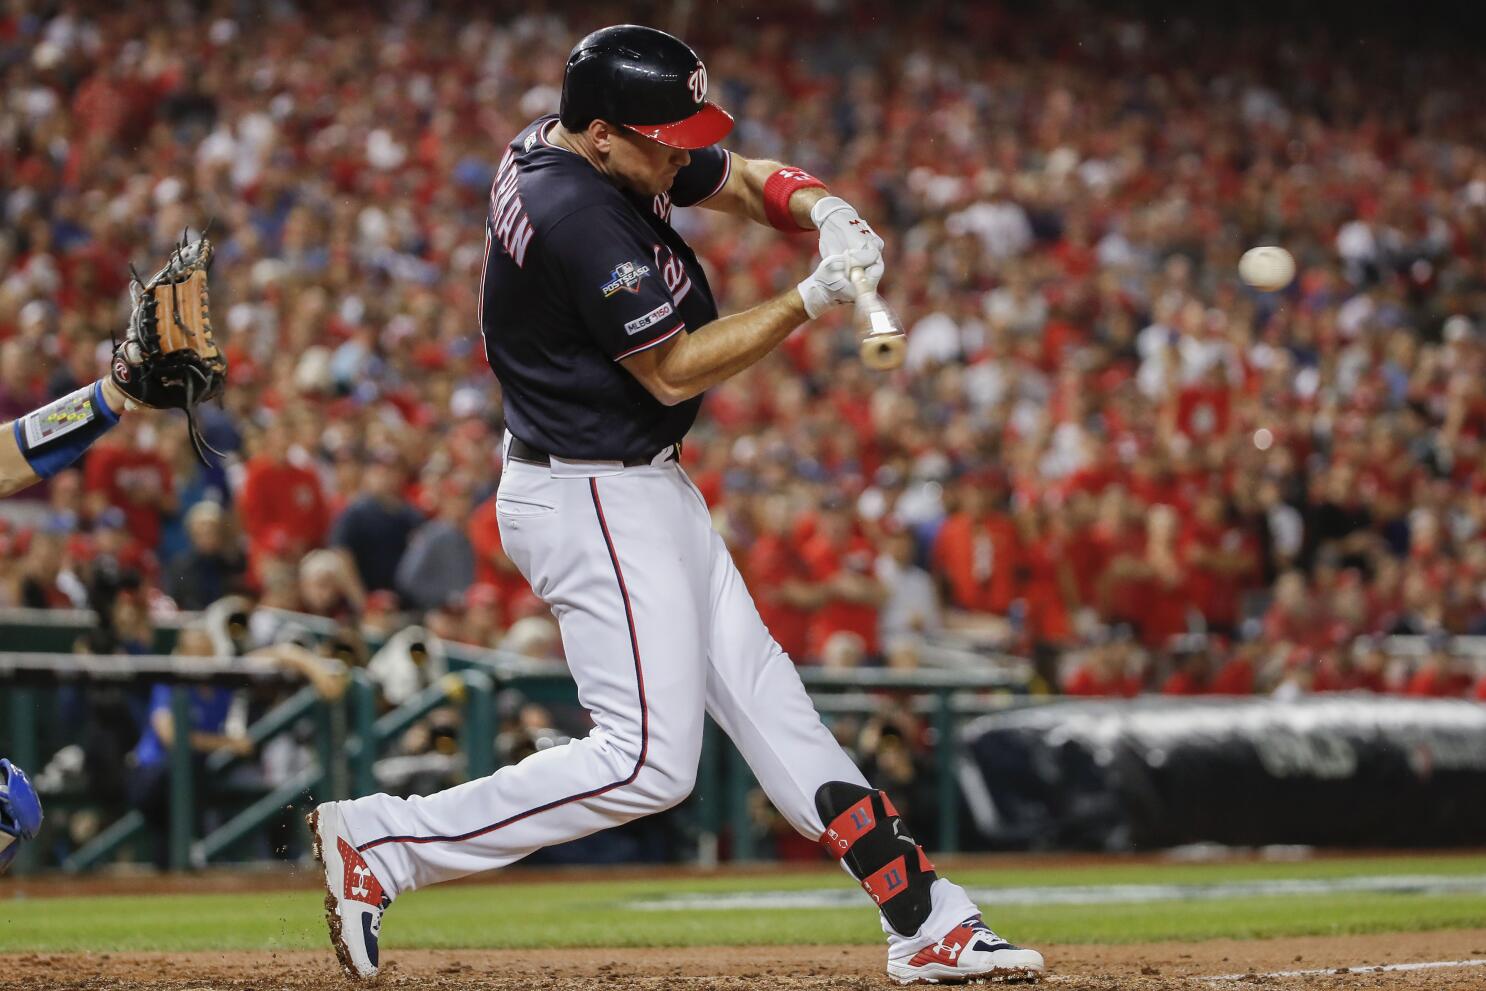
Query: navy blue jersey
[[580, 275]]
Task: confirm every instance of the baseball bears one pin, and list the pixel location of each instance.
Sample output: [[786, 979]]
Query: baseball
[[1268, 268]]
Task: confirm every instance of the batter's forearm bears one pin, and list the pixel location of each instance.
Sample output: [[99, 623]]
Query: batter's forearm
[[718, 350], [743, 195]]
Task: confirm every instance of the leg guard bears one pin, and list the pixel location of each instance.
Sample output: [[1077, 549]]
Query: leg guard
[[865, 832]]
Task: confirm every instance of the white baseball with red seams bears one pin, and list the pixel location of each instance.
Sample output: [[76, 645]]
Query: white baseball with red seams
[[658, 628]]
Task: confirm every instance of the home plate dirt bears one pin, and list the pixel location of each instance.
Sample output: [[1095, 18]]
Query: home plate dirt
[[1343, 963]]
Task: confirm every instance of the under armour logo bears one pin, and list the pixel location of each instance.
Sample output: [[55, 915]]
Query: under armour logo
[[950, 951], [697, 83], [362, 873]]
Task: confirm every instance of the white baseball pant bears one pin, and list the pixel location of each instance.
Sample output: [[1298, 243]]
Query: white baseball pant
[[658, 627]]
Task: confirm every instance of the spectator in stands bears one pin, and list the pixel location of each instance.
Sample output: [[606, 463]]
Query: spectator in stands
[[149, 766], [1440, 674], [1238, 674], [1191, 670], [328, 585], [129, 618], [1112, 667], [536, 637], [778, 576], [841, 560], [37, 579], [283, 508], [1075, 316], [128, 474], [910, 612], [439, 563], [482, 623], [374, 529], [194, 483], [211, 568], [976, 548]]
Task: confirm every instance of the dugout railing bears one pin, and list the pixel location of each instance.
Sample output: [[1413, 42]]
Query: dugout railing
[[351, 733], [344, 765]]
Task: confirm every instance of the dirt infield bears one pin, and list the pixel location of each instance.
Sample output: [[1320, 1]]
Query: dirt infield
[[1346, 963]]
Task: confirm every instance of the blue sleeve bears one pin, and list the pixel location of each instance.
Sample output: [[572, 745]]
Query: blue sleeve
[[707, 173], [159, 699], [216, 711], [608, 261]]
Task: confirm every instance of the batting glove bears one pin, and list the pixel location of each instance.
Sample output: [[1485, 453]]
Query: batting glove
[[843, 229], [831, 285]]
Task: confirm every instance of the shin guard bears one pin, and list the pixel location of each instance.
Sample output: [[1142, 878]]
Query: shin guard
[[865, 832]]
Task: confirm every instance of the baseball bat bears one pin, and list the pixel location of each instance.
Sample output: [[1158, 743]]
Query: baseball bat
[[883, 344]]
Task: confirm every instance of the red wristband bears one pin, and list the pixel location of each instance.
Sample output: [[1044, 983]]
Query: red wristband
[[778, 188]]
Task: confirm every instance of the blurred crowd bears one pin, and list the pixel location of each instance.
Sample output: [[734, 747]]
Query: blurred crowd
[[1105, 454]]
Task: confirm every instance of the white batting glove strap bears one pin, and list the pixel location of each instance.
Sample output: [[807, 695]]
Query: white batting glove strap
[[830, 284], [841, 227]]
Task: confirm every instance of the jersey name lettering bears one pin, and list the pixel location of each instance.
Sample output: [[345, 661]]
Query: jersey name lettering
[[509, 223]]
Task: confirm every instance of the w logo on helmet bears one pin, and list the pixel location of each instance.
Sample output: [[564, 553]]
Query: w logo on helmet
[[697, 83]]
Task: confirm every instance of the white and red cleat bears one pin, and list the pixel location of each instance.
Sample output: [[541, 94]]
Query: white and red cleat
[[354, 900], [969, 953]]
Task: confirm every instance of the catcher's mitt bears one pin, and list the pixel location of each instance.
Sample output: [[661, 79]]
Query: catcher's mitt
[[168, 358]]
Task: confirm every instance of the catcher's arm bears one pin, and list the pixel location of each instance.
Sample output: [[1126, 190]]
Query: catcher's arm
[[46, 440]]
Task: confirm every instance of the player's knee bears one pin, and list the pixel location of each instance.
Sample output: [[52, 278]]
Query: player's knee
[[666, 787], [669, 773]]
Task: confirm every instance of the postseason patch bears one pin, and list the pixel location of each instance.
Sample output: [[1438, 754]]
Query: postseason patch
[[626, 276], [650, 319], [59, 417]]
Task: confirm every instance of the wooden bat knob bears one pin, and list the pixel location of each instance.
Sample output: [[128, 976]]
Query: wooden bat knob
[[883, 346], [884, 352]]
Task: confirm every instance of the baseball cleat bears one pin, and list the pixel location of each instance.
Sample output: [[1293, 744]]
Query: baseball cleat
[[969, 954], [354, 900]]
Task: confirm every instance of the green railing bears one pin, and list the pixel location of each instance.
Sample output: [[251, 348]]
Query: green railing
[[351, 734]]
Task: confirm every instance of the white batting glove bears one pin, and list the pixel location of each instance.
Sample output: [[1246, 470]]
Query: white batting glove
[[830, 284], [842, 229]]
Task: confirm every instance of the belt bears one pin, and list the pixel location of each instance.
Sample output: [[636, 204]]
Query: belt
[[522, 451]]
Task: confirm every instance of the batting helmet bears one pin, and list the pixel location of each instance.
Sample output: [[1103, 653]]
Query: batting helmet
[[646, 80], [20, 811]]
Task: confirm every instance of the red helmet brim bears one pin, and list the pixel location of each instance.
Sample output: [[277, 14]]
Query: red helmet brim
[[702, 129]]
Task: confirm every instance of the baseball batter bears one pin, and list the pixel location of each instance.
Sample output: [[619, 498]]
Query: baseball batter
[[599, 323]]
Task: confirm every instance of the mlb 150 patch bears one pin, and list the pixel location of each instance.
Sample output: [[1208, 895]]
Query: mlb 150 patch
[[648, 320], [626, 276]]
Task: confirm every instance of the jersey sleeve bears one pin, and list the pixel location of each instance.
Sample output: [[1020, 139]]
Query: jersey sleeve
[[704, 175], [612, 274]]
